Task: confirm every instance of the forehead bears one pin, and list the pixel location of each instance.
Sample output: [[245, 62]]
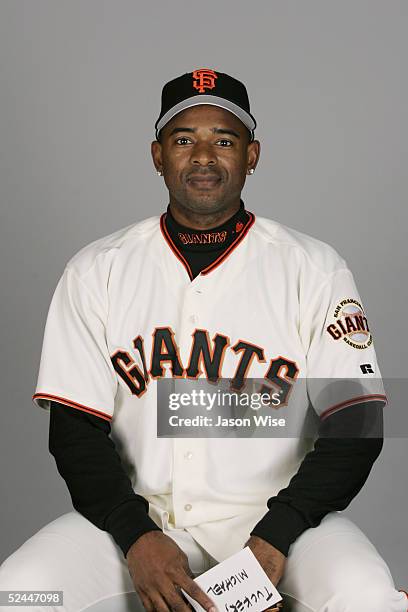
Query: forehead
[[205, 115]]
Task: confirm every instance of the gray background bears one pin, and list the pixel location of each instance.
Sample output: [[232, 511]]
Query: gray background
[[80, 87]]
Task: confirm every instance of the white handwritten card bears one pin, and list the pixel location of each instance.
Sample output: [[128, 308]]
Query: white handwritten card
[[237, 584]]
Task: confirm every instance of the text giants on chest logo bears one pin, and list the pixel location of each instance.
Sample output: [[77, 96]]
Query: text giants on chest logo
[[350, 324], [206, 358], [206, 238], [204, 78]]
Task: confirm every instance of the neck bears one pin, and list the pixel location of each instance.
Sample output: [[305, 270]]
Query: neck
[[217, 238], [202, 220]]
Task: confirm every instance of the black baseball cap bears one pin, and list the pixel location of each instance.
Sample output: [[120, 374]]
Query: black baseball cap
[[205, 86]]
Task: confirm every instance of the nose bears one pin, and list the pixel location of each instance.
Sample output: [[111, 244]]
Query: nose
[[203, 154]]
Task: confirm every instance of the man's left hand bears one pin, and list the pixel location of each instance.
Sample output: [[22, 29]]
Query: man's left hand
[[271, 559]]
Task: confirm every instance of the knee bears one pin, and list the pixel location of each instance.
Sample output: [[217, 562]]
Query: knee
[[26, 573], [374, 598], [19, 572]]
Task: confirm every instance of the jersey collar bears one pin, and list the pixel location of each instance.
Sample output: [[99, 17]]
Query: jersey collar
[[181, 239]]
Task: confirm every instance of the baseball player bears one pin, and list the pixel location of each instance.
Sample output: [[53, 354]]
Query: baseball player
[[206, 290]]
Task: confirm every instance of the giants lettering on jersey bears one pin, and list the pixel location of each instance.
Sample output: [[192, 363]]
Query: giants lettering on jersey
[[206, 357]]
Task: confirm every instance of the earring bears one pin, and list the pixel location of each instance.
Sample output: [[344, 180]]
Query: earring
[[159, 173], [251, 171]]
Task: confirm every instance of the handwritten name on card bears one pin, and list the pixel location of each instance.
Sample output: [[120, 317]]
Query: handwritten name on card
[[237, 584]]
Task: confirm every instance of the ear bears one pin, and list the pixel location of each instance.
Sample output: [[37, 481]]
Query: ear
[[253, 153], [156, 151]]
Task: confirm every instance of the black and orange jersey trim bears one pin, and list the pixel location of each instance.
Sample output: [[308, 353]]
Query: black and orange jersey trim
[[173, 247], [375, 397], [228, 250], [220, 259], [68, 402]]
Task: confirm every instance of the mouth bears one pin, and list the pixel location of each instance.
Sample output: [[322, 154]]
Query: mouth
[[204, 182]]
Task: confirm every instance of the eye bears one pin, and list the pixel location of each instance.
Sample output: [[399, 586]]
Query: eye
[[182, 138], [229, 143]]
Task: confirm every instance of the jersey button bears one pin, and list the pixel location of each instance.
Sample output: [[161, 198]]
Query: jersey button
[[188, 507], [193, 318], [188, 455]]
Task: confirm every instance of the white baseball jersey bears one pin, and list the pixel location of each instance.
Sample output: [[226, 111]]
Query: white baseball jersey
[[277, 301]]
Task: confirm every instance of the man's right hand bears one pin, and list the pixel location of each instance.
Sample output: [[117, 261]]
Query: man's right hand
[[158, 568]]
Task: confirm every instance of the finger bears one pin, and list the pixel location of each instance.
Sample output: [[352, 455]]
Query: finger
[[277, 608], [147, 604], [159, 605], [197, 594], [176, 600], [184, 598]]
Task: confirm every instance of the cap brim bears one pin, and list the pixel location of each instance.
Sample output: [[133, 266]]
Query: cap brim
[[245, 117]]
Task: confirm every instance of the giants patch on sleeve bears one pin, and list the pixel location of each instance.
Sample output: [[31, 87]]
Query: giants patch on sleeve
[[350, 324]]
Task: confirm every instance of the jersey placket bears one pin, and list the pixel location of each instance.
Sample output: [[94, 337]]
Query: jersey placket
[[188, 453]]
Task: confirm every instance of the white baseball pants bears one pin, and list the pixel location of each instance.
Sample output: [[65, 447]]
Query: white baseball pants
[[330, 568]]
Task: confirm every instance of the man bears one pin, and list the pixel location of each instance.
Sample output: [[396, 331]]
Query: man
[[207, 290]]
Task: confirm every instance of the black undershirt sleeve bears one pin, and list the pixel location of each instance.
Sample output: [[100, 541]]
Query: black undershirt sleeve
[[100, 489], [328, 478]]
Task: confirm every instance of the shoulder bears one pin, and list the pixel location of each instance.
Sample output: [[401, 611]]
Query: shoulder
[[102, 252], [306, 250]]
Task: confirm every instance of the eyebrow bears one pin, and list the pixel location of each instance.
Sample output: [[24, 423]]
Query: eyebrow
[[214, 130]]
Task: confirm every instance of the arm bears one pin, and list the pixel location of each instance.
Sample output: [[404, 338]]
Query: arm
[[100, 490], [328, 478]]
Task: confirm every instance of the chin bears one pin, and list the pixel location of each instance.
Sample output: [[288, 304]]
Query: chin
[[205, 203]]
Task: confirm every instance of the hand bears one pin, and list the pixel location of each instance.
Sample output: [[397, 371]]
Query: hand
[[270, 558], [158, 568]]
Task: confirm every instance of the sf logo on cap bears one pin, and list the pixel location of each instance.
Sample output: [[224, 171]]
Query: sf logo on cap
[[204, 78]]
